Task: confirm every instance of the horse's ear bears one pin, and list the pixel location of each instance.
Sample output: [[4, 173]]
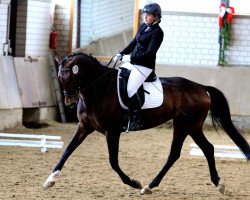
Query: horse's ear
[[57, 58], [74, 59]]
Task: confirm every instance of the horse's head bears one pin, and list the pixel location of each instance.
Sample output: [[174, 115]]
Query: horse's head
[[79, 72], [68, 75]]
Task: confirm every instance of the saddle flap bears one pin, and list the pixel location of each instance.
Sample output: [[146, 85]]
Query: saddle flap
[[123, 75], [151, 93]]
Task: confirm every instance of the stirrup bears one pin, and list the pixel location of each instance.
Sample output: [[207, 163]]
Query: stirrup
[[134, 125]]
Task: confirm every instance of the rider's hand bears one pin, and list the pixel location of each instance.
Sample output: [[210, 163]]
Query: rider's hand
[[126, 58], [118, 57]]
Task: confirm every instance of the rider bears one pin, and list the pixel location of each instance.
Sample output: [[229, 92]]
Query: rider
[[142, 50]]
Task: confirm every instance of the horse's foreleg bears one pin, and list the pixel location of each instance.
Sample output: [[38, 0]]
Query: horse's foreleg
[[172, 158], [113, 148], [80, 134]]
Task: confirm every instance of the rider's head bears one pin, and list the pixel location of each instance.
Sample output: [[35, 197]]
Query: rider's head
[[152, 8]]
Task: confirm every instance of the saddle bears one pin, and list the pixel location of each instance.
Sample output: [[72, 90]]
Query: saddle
[[150, 93]]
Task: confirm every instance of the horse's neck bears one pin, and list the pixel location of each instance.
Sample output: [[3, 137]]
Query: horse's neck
[[99, 73], [97, 68], [98, 78], [99, 94]]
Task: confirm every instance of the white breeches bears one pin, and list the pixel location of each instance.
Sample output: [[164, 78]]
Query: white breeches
[[137, 76]]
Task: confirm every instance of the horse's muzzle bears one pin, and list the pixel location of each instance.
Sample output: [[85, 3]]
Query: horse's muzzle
[[70, 98]]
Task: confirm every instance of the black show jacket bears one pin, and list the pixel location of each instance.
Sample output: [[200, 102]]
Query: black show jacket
[[144, 46]]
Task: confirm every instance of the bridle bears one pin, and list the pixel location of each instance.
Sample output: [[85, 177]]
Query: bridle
[[77, 80], [65, 92]]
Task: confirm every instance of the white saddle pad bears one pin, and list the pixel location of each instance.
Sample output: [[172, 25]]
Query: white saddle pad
[[153, 99]]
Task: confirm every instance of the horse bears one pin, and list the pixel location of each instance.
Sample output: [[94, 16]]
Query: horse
[[185, 102]]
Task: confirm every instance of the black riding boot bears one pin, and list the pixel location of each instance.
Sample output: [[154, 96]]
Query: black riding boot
[[135, 113]]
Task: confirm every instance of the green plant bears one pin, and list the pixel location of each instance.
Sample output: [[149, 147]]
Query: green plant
[[225, 19], [224, 36]]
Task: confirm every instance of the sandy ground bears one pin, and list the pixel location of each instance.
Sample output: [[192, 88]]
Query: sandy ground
[[88, 175]]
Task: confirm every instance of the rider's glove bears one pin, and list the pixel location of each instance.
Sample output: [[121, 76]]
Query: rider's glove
[[118, 57], [126, 58]]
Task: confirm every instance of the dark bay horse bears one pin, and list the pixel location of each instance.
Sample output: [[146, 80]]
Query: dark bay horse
[[185, 102]]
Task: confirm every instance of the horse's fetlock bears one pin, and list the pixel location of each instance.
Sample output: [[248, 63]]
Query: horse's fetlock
[[153, 184], [114, 166], [136, 184], [215, 180]]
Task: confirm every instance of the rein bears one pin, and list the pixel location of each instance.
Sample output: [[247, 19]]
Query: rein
[[94, 82], [111, 62], [102, 76]]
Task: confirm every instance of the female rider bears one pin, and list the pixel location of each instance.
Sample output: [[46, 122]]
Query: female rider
[[142, 50]]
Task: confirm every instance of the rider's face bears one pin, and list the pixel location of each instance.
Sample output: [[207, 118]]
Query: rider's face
[[149, 18]]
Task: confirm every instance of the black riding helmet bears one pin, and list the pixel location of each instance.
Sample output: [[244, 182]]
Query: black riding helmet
[[152, 8]]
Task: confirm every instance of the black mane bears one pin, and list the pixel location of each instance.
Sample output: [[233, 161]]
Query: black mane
[[89, 58]]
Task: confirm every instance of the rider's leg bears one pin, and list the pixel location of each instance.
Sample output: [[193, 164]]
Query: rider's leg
[[137, 76]]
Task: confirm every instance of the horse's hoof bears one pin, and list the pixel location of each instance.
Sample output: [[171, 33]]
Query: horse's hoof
[[50, 182], [136, 184], [146, 190], [221, 188]]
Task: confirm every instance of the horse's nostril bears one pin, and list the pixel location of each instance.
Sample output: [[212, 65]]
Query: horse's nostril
[[69, 100]]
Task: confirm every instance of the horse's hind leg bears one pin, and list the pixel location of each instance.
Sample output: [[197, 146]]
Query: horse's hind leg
[[81, 133], [178, 139], [208, 150]]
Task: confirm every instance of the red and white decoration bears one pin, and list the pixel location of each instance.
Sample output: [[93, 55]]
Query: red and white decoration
[[225, 13]]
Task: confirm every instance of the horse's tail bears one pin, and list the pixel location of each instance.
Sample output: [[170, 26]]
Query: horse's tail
[[220, 114]]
